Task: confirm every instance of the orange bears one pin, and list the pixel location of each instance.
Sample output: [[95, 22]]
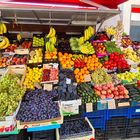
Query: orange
[[87, 72], [76, 71], [67, 62], [70, 55], [71, 62], [64, 65], [60, 54], [66, 54]]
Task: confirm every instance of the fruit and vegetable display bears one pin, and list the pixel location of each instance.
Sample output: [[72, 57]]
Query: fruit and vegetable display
[[65, 60], [26, 44], [100, 76], [11, 48], [116, 61], [19, 59], [10, 94], [74, 127], [111, 91], [36, 56], [133, 92], [38, 41], [88, 95], [99, 48], [38, 105], [131, 54], [33, 75], [66, 90], [3, 61], [129, 76], [76, 70], [111, 47], [50, 72]]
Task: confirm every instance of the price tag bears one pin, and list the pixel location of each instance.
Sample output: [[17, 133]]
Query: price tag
[[48, 87], [137, 110], [68, 81], [87, 78], [55, 65], [133, 70], [89, 107]]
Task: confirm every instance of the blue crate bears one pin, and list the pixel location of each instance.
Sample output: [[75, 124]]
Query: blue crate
[[121, 112], [95, 114], [98, 123], [97, 118], [134, 112]]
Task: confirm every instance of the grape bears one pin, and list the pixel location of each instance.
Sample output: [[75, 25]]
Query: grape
[[10, 94], [38, 105]]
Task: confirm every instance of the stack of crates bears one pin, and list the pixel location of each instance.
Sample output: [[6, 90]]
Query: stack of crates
[[133, 127]]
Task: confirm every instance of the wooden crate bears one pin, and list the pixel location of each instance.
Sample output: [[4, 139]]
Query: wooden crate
[[17, 69], [23, 125], [85, 137]]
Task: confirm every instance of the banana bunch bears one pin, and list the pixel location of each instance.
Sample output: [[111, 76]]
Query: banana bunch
[[88, 33], [50, 45], [110, 30], [3, 28], [19, 37], [51, 33], [4, 43], [87, 48]]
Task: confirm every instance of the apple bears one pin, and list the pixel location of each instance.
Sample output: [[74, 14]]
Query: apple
[[98, 93], [103, 97], [103, 92]]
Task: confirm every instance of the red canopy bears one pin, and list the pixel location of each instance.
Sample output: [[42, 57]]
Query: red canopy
[[108, 3]]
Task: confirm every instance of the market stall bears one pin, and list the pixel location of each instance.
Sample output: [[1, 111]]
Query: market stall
[[62, 79]]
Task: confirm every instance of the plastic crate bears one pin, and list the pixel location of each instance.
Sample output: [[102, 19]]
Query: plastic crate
[[134, 112], [133, 132], [99, 134], [119, 133], [43, 135], [134, 122], [97, 118], [97, 122], [95, 114], [116, 123], [121, 112]]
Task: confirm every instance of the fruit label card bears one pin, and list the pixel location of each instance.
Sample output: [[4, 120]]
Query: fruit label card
[[21, 51], [48, 87], [123, 104], [111, 104], [89, 107], [68, 81], [87, 78]]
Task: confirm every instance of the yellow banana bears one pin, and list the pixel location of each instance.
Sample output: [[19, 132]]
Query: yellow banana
[[4, 28], [81, 40], [50, 33], [5, 43], [91, 30], [53, 40], [53, 33], [19, 37]]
